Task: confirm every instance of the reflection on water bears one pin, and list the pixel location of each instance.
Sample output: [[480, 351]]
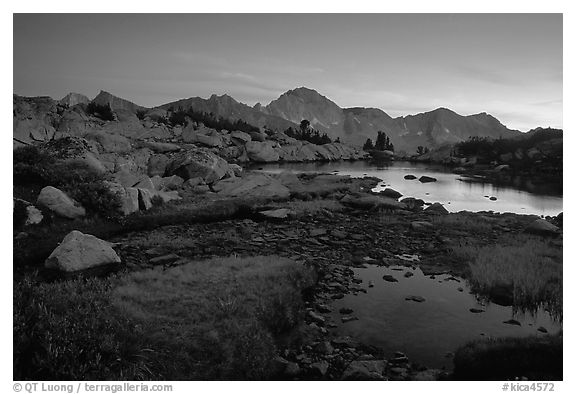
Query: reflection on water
[[456, 192], [428, 332]]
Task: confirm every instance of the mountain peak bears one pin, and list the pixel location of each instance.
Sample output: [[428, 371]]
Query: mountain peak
[[115, 102], [71, 99]]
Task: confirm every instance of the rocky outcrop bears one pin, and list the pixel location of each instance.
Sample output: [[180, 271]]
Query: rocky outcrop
[[198, 163], [79, 251], [240, 138], [34, 119], [128, 197], [542, 227], [437, 209], [75, 151], [253, 186], [57, 201], [110, 143], [262, 152]]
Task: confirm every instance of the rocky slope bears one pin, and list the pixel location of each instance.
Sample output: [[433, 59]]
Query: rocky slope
[[229, 108]]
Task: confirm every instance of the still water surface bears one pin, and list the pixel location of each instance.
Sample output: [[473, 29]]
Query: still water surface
[[430, 331], [456, 192]]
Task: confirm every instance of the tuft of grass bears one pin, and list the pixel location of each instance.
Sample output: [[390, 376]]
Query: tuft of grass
[[463, 221], [222, 315], [530, 267], [311, 207], [70, 331], [214, 319], [536, 358]]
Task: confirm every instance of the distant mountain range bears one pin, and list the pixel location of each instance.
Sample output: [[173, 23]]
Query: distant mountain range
[[351, 125]]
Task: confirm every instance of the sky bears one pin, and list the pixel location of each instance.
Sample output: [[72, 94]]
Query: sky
[[509, 65]]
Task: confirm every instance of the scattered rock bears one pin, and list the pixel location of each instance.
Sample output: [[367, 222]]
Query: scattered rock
[[365, 370], [408, 274], [512, 322], [33, 214], [347, 319], [316, 317], [319, 368], [324, 348], [346, 311], [389, 278], [292, 370], [388, 192], [421, 226], [415, 298], [436, 208], [79, 251], [476, 310], [409, 177], [276, 214]]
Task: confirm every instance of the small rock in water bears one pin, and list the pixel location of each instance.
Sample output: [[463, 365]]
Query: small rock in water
[[460, 289], [476, 310], [389, 278], [427, 179], [370, 283], [493, 199], [512, 322], [409, 177], [415, 298], [408, 274], [543, 330], [347, 319], [346, 311]]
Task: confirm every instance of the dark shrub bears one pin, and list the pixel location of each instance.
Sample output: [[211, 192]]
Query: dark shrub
[[103, 112], [20, 214], [96, 197], [141, 114]]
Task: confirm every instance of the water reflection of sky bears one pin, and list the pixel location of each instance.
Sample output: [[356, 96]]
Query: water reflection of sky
[[452, 190], [429, 330]]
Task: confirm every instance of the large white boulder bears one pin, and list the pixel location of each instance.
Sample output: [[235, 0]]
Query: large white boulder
[[59, 202], [79, 251], [198, 163], [262, 151]]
